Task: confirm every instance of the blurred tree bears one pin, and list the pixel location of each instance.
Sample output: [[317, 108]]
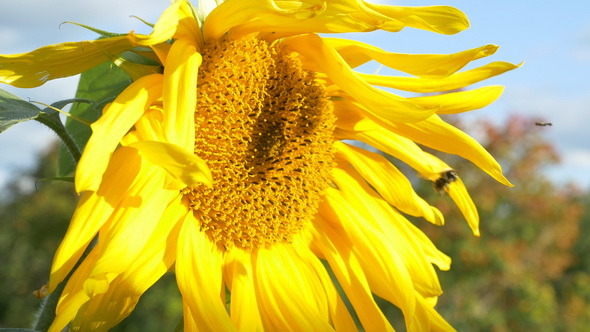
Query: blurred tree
[[512, 277], [34, 215]]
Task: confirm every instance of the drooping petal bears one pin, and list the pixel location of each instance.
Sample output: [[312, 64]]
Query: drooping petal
[[110, 128], [287, 18], [177, 22], [461, 101], [398, 146], [393, 186], [380, 261], [356, 53], [452, 82], [459, 194], [239, 277], [388, 226], [437, 134], [180, 94], [440, 19], [341, 318], [199, 276], [325, 59], [29, 70], [186, 168], [93, 210], [461, 197], [108, 309], [126, 234], [337, 250], [301, 307]]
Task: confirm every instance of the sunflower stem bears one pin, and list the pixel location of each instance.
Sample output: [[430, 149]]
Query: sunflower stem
[[62, 133]]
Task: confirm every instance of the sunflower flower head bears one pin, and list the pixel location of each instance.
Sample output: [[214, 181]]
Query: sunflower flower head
[[233, 167]]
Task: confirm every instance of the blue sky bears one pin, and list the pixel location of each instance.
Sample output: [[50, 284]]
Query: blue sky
[[552, 39]]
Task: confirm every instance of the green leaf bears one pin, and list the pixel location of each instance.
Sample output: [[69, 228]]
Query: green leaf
[[101, 84], [14, 110]]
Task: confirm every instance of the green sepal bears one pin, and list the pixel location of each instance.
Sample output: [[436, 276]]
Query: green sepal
[[102, 33]]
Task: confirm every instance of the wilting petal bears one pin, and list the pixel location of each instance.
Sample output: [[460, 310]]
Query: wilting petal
[[185, 167], [110, 128], [335, 246], [461, 101], [29, 70], [356, 53], [239, 277], [437, 134], [393, 186], [180, 94], [301, 307], [376, 101], [93, 210], [177, 21], [107, 309], [200, 263], [452, 82], [287, 18], [388, 226]]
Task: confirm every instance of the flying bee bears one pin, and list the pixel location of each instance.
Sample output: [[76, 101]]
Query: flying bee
[[446, 177], [543, 124]]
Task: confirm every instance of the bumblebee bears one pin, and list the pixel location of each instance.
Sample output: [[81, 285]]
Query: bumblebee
[[446, 177], [543, 124]]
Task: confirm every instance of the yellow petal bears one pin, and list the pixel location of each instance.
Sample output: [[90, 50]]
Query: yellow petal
[[391, 184], [287, 18], [93, 210], [462, 101], [110, 128], [383, 267], [199, 276], [185, 167], [108, 309], [452, 82], [356, 53], [177, 22], [341, 318], [398, 146], [408, 230], [440, 19], [180, 94], [439, 135], [126, 234], [301, 306], [390, 227], [458, 193], [461, 197], [337, 250], [239, 278], [29, 70], [73, 296], [384, 104]]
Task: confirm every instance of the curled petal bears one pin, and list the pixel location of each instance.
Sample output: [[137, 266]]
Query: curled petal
[[29, 70], [325, 59], [452, 82], [356, 53], [110, 128]]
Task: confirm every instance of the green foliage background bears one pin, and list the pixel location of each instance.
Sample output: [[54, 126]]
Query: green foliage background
[[528, 271]]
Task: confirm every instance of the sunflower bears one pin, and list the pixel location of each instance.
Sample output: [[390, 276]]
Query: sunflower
[[232, 165]]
